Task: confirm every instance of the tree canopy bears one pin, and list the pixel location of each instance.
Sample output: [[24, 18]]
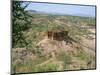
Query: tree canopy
[[21, 21]]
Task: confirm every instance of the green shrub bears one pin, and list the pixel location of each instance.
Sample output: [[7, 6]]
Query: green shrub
[[46, 67], [63, 56], [82, 55]]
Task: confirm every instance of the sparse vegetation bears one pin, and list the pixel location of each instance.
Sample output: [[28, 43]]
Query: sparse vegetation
[[46, 68], [65, 58], [76, 52]]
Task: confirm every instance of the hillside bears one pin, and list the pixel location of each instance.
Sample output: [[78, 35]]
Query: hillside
[[72, 51]]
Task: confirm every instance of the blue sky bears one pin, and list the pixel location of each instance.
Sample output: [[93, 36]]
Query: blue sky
[[63, 9]]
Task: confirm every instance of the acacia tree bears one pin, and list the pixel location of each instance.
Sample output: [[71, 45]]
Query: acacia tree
[[21, 21]]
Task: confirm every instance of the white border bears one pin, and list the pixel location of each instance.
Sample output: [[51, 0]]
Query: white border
[[5, 37]]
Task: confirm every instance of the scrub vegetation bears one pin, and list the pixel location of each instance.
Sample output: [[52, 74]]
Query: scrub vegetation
[[34, 50]]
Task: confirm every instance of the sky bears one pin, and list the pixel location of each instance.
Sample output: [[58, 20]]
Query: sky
[[63, 9]]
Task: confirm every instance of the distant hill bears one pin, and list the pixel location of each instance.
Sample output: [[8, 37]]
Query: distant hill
[[55, 13]]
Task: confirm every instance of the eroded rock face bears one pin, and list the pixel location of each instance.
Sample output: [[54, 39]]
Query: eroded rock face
[[57, 35], [52, 47], [55, 42]]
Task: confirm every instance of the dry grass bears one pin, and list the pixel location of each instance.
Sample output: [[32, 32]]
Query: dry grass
[[52, 55]]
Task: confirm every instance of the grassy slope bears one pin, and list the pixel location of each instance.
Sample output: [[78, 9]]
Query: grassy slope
[[78, 57]]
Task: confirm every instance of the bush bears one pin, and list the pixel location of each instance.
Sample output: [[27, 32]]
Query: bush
[[82, 55], [62, 56], [46, 67]]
